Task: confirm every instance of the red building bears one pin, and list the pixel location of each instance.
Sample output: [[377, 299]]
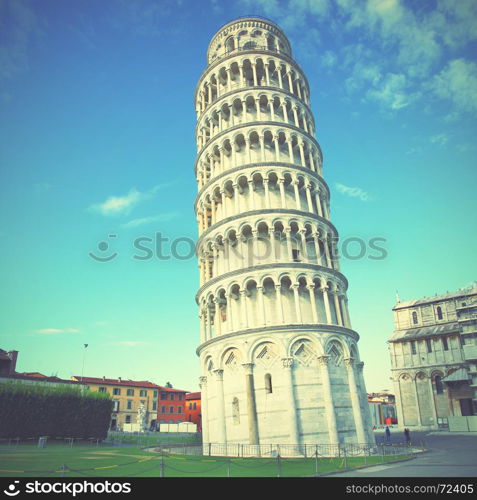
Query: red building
[[193, 412], [171, 406]]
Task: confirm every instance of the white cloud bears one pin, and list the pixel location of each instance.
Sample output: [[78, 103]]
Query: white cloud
[[165, 217], [54, 331], [328, 59], [123, 205], [353, 192], [129, 343], [458, 83], [392, 92], [440, 139]]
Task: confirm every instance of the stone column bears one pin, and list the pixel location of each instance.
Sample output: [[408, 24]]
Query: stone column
[[344, 307], [308, 198], [204, 409], [326, 300], [290, 399], [217, 317], [318, 203], [355, 403], [245, 317], [295, 116], [285, 112], [278, 289], [416, 396], [251, 404], [281, 185], [229, 80], [277, 148], [267, 193], [289, 243], [272, 111], [329, 262], [202, 325], [339, 318], [279, 73], [236, 196], [261, 142], [261, 301], [364, 404], [221, 425], [273, 249], [311, 289], [303, 244], [302, 154], [433, 402], [296, 296], [316, 241], [297, 195], [254, 71], [267, 75], [328, 400], [257, 104]]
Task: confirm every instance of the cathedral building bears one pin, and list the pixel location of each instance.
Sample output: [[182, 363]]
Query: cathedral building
[[434, 359]]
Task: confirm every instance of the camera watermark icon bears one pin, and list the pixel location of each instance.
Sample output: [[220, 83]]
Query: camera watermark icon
[[103, 246], [12, 490]]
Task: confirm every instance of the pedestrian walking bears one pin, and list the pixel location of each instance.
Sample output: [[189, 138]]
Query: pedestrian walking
[[388, 435], [407, 435]]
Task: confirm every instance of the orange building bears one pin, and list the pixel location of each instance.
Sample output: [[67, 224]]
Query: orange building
[[193, 412]]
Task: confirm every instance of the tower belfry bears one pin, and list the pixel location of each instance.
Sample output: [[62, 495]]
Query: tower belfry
[[279, 359]]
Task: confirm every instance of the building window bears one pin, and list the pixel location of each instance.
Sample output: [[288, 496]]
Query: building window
[[163, 396], [445, 344], [116, 405], [129, 406], [429, 345], [195, 406], [268, 384], [414, 317], [130, 392], [180, 397], [163, 409], [143, 402], [128, 419], [142, 393], [439, 312], [155, 394], [154, 405], [172, 397], [439, 384], [413, 347], [116, 391], [179, 409], [190, 406], [171, 409], [102, 389]]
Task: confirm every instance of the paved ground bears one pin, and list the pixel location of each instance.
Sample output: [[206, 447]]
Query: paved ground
[[449, 455]]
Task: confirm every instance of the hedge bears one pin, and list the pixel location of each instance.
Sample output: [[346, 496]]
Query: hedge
[[30, 411]]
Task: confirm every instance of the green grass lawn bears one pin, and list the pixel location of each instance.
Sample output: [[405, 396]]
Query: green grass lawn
[[86, 460]]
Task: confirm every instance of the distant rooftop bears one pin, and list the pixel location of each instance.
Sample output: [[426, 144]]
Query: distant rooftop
[[424, 331], [463, 292], [125, 383]]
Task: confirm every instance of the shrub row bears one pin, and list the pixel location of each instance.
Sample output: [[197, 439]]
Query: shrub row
[[33, 410]]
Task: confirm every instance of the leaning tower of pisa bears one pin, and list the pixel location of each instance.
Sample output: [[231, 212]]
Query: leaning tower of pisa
[[278, 357]]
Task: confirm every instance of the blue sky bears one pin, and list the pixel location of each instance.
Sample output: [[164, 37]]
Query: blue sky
[[97, 149]]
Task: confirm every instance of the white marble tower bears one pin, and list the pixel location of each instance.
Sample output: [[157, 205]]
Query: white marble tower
[[279, 361]]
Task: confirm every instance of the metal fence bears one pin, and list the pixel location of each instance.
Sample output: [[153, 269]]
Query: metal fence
[[341, 450]]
